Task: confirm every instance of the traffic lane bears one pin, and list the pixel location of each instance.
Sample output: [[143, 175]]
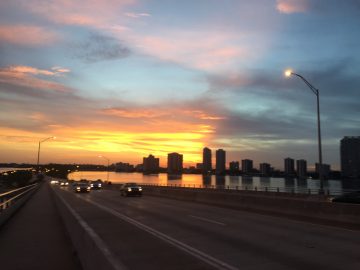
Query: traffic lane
[[268, 239], [133, 247]]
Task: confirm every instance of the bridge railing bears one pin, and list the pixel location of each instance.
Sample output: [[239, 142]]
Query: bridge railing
[[10, 197], [292, 190]]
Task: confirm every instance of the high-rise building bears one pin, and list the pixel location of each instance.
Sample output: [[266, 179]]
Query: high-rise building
[[150, 164], [289, 168], [175, 163], [220, 161], [265, 169], [207, 164], [247, 165], [234, 166], [301, 168], [350, 156]]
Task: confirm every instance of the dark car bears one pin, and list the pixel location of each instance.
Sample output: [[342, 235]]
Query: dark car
[[64, 183], [130, 189], [81, 187], [352, 197], [96, 185]]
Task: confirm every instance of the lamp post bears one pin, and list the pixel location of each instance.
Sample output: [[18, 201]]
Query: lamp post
[[288, 73], [38, 156], [108, 162]]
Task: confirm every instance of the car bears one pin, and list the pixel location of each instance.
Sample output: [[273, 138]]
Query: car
[[96, 185], [54, 182], [64, 183], [352, 197], [130, 189], [81, 187]]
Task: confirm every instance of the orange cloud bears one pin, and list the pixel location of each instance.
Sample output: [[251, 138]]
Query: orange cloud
[[35, 71], [96, 13], [27, 35], [26, 76], [292, 6], [203, 115], [195, 49]]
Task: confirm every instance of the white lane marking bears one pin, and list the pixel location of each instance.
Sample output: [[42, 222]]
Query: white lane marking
[[208, 220], [95, 237], [172, 241]]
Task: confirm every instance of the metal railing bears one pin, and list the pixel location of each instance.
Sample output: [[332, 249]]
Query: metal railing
[[291, 190], [10, 197]]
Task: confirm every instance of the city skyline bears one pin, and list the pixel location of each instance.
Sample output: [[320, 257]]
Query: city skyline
[[125, 78]]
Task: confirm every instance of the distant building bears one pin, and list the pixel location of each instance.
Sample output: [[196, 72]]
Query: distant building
[[150, 164], [247, 166], [199, 166], [350, 157], [124, 167], [301, 168], [175, 163], [265, 169], [207, 163], [139, 168], [220, 161], [234, 166], [289, 168], [326, 169]]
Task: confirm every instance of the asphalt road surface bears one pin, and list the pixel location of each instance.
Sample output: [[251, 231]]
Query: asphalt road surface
[[156, 233]]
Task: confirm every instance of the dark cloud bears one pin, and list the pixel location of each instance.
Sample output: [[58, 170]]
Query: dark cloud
[[335, 6], [275, 116], [99, 47]]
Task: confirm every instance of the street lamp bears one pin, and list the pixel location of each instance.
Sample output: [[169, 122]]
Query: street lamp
[[108, 161], [288, 73], [38, 156]]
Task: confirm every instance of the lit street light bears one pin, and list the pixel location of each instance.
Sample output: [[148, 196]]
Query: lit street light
[[38, 157], [108, 162], [288, 73]]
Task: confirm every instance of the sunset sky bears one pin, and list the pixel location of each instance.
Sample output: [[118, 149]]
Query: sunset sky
[[129, 78]]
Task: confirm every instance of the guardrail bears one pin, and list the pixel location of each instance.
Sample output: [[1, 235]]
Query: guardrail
[[291, 190], [10, 197], [12, 200]]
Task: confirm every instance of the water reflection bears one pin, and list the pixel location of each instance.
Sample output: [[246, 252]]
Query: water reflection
[[220, 181], [302, 184], [234, 180], [171, 177], [241, 182], [206, 180], [289, 184], [247, 181], [265, 181]]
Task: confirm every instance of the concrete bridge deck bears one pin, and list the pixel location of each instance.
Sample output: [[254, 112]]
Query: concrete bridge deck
[[113, 232]]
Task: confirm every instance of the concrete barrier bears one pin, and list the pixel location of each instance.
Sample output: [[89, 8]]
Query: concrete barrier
[[91, 250], [7, 213], [312, 208]]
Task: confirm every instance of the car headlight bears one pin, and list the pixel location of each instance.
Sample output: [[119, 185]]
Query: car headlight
[[99, 185], [129, 189], [78, 188], [88, 188], [92, 185], [140, 188]]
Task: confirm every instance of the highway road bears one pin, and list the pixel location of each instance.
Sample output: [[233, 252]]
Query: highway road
[[156, 233]]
